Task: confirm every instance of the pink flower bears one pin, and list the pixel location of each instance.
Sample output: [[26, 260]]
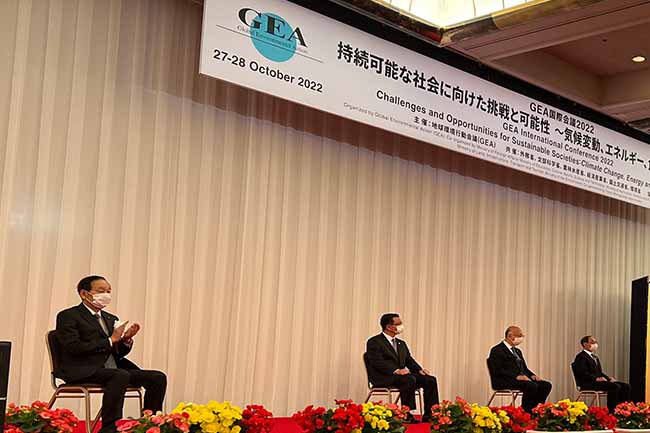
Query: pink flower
[[157, 420], [127, 425], [153, 430]]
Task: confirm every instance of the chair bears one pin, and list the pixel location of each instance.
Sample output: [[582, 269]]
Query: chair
[[83, 391], [510, 393], [388, 391], [585, 393]]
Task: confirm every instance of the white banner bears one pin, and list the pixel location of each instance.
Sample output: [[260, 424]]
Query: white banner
[[279, 48]]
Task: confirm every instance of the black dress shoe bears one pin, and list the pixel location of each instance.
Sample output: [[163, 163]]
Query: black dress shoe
[[426, 418]]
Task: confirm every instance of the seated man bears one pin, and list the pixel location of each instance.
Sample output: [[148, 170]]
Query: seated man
[[508, 370], [390, 363], [93, 351], [589, 374]]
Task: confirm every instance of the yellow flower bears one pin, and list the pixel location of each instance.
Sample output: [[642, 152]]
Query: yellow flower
[[212, 427], [484, 418]]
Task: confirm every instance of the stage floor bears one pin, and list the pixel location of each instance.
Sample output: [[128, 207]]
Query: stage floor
[[285, 425]]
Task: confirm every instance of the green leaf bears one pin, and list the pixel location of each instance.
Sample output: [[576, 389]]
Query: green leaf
[[33, 428]]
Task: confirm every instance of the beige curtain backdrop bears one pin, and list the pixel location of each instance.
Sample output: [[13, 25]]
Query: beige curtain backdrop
[[258, 241]]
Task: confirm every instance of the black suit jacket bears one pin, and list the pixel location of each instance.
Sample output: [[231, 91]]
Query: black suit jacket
[[84, 346], [503, 367], [586, 369], [383, 361]]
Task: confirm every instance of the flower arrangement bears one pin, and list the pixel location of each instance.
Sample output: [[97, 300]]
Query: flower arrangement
[[513, 419], [344, 418], [37, 418], [599, 418], [568, 415], [484, 420], [156, 423], [380, 417], [451, 417], [633, 415], [256, 419], [348, 417], [215, 417]]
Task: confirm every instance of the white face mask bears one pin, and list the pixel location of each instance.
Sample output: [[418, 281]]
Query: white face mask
[[517, 341], [400, 328], [594, 347], [101, 300]]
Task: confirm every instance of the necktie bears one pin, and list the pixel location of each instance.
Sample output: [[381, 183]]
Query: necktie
[[102, 323], [394, 342], [110, 361], [520, 364]]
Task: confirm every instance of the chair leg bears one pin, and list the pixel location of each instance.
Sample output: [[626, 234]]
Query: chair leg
[[491, 398], [96, 420], [53, 399], [368, 398], [89, 426], [422, 408], [514, 398], [140, 403]]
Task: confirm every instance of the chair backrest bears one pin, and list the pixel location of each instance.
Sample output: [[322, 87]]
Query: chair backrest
[[365, 364], [491, 372], [575, 376], [54, 352]]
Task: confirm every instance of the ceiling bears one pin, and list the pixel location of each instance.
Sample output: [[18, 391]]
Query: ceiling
[[584, 55], [579, 49], [443, 13], [608, 53]]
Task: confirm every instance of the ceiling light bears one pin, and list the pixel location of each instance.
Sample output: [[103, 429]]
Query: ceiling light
[[638, 59]]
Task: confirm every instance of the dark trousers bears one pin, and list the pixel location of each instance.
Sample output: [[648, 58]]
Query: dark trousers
[[535, 392], [407, 385], [617, 392], [115, 381]]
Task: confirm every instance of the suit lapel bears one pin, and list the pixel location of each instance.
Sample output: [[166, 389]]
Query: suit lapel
[[507, 350], [110, 323], [389, 347], [92, 320], [593, 361]]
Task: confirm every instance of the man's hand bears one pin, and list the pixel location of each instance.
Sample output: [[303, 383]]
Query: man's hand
[[522, 377], [601, 379], [130, 333], [536, 378], [117, 333], [612, 379], [402, 372], [425, 372]]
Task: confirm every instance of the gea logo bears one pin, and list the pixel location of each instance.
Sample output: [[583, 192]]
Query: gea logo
[[272, 35]]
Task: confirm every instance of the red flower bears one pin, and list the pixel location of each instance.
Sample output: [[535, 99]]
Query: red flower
[[519, 419], [127, 425], [256, 419]]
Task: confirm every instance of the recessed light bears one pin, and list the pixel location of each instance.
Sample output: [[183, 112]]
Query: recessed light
[[638, 59]]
